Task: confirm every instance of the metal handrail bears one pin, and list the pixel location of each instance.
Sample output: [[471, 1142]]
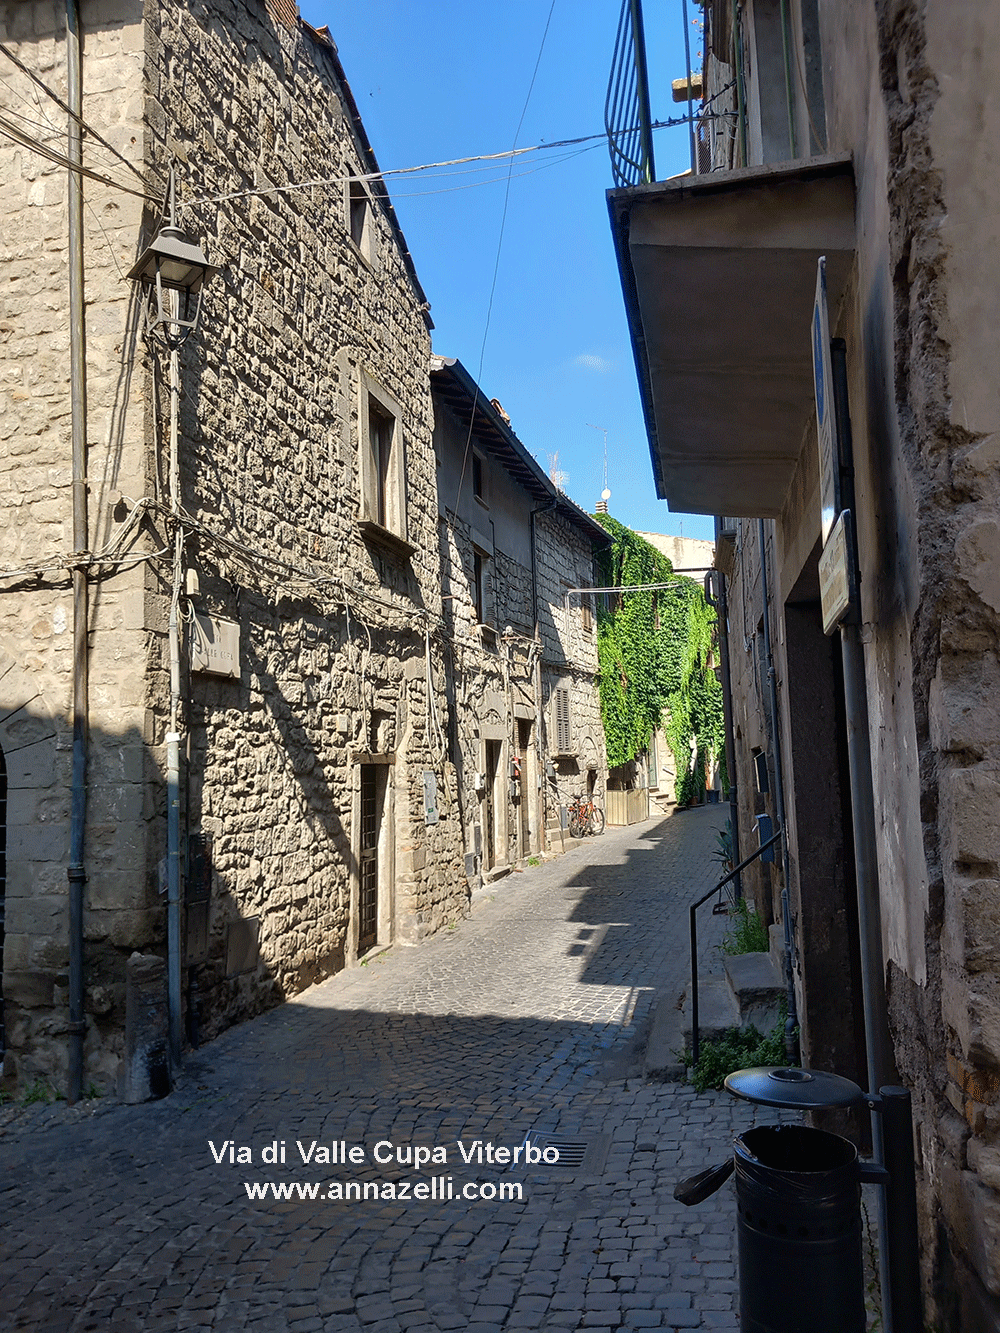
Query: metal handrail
[[693, 920], [626, 107]]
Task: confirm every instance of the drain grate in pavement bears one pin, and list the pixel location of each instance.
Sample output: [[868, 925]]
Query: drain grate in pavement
[[587, 1155]]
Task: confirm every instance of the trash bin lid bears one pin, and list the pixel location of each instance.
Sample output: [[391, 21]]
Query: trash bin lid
[[793, 1089]]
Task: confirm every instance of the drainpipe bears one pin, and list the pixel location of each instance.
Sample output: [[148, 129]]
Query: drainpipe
[[791, 1022], [173, 742], [881, 1065], [721, 606], [173, 736], [878, 1042], [78, 407]]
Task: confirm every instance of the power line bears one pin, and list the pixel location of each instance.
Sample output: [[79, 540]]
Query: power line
[[492, 180], [514, 151], [60, 159], [64, 106], [376, 176]]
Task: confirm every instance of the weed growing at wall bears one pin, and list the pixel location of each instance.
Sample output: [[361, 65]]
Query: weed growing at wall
[[655, 655], [747, 932], [736, 1049]]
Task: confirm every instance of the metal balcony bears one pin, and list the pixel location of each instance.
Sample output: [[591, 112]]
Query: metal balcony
[[626, 107]]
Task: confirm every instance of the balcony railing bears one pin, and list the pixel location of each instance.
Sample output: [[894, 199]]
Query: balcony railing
[[626, 108]]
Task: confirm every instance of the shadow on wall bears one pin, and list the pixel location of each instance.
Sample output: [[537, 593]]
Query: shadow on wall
[[227, 975]]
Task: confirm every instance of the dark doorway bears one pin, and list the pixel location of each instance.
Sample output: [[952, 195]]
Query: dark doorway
[[372, 794], [490, 856], [823, 887], [523, 787]]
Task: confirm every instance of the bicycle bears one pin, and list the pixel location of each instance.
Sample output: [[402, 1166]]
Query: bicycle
[[585, 817]]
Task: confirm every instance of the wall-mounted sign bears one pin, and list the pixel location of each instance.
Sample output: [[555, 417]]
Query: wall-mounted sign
[[431, 815], [215, 645], [829, 463], [837, 575]]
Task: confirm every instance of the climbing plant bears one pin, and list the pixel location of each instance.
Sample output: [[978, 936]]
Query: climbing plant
[[654, 651]]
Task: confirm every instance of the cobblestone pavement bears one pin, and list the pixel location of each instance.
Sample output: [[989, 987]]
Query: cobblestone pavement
[[526, 1020]]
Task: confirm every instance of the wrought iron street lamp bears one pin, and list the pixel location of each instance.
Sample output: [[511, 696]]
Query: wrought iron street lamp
[[172, 263]]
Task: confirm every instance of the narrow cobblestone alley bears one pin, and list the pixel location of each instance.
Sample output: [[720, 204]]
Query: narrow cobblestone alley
[[526, 1020]]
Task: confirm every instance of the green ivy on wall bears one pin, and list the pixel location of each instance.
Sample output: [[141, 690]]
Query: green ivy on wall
[[654, 650]]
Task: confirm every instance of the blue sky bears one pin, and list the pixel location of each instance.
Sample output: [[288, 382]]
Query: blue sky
[[448, 79]]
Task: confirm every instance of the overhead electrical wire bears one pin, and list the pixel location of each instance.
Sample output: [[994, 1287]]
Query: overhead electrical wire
[[61, 160], [64, 106], [377, 176], [15, 133], [514, 151]]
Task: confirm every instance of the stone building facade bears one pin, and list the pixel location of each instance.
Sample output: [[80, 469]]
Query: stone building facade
[[864, 134], [280, 527], [527, 733]]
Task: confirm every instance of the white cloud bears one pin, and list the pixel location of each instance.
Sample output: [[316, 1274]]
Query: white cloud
[[590, 361]]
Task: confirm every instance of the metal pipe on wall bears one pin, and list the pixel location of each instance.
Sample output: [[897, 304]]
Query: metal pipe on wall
[[76, 872], [791, 1021], [881, 1065], [173, 737], [720, 602], [878, 1042]]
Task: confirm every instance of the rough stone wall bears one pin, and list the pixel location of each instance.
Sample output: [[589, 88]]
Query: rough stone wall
[[496, 672], [501, 677], [751, 721], [481, 665], [938, 70], [910, 91], [299, 325], [36, 615], [569, 657]]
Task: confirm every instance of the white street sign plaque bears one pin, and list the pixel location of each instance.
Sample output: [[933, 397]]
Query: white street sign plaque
[[837, 581], [215, 645]]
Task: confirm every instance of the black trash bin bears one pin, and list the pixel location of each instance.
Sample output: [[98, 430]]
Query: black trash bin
[[799, 1231], [799, 1197]]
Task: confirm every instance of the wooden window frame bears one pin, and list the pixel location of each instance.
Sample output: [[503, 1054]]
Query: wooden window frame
[[381, 467]]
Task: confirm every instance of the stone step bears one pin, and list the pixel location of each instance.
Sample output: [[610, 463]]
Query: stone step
[[756, 988], [716, 1010], [663, 1060], [670, 1034]]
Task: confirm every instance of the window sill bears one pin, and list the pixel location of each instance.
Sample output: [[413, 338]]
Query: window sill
[[390, 541]]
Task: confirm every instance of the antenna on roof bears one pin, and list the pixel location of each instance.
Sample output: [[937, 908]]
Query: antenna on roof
[[602, 505]]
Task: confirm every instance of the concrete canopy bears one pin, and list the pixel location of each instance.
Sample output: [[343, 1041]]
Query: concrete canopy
[[719, 277]]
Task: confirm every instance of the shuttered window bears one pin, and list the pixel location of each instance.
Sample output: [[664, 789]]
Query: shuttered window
[[561, 720], [382, 462]]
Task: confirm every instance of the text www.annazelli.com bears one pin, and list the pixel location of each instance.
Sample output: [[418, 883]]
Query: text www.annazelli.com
[[437, 1189]]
